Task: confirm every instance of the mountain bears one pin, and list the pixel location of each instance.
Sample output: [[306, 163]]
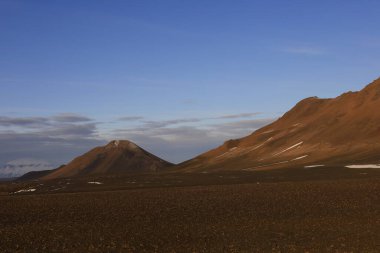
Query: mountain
[[19, 167], [317, 132], [115, 158], [35, 175]]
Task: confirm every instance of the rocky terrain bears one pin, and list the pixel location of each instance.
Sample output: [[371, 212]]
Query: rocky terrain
[[308, 210]]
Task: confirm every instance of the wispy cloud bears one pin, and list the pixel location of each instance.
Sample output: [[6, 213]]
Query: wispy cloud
[[304, 50], [180, 142], [171, 122], [130, 118], [19, 167], [59, 138], [70, 117], [23, 121], [57, 145], [42, 121], [239, 115], [165, 123]]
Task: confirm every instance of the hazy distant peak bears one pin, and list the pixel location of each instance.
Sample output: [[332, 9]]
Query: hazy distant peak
[[19, 167]]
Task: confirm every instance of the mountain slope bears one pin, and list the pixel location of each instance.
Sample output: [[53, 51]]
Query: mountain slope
[[340, 131], [35, 175], [115, 158]]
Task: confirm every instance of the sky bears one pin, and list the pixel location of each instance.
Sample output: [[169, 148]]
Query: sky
[[175, 77]]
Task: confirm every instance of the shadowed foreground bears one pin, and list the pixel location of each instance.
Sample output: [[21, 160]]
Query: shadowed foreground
[[338, 216]]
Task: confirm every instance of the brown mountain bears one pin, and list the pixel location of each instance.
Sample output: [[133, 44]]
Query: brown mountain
[[115, 158], [332, 132], [35, 175]]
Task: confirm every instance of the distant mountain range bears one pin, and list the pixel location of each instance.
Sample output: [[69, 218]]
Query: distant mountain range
[[342, 131], [19, 167]]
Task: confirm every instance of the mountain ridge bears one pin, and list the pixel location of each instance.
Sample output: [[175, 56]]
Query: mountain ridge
[[332, 131]]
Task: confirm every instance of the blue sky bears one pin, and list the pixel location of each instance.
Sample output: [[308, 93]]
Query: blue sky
[[188, 62]]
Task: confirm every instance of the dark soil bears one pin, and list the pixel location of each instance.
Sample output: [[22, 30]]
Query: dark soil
[[224, 212]]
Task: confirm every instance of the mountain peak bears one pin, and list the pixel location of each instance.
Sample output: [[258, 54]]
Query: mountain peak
[[122, 144], [118, 156]]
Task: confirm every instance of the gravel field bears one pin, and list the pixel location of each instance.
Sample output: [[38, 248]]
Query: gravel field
[[339, 215]]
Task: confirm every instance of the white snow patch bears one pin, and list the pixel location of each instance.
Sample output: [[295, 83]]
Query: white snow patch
[[230, 150], [116, 143], [314, 166], [267, 132], [301, 157], [364, 166], [26, 190], [57, 189], [262, 144], [297, 124], [294, 146], [258, 146], [245, 150], [279, 162], [222, 154], [94, 182]]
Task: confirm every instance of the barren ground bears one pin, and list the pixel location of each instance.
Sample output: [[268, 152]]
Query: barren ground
[[319, 210]]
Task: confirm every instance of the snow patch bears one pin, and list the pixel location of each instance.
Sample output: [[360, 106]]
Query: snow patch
[[259, 146], [314, 166], [94, 182], [267, 132], [245, 151], [26, 190], [230, 150], [364, 166], [301, 157], [57, 189], [294, 146]]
